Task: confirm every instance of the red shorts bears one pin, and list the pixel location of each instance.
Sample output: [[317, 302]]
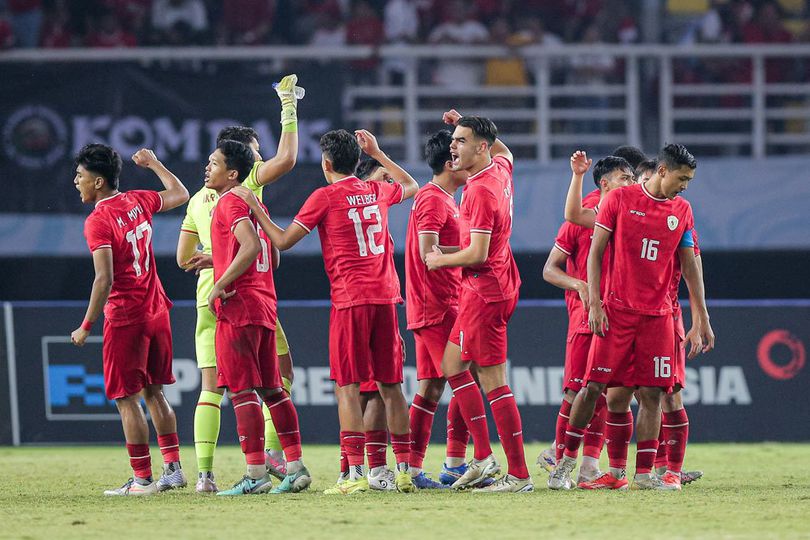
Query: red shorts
[[246, 357], [364, 344], [430, 344], [368, 387], [480, 329], [680, 353], [576, 361], [135, 355], [637, 350]]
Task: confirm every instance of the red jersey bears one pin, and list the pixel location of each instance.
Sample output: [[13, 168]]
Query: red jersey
[[430, 294], [591, 200], [255, 300], [123, 223], [575, 241], [676, 276], [647, 232], [486, 207], [352, 220]]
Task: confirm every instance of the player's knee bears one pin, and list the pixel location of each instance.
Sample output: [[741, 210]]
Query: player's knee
[[650, 397], [432, 389], [671, 402], [592, 391]]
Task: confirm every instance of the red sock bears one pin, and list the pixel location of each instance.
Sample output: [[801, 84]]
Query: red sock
[[618, 432], [344, 461], [645, 455], [510, 429], [140, 460], [169, 447], [376, 448], [661, 455], [401, 445], [573, 438], [422, 412], [250, 426], [353, 442], [472, 408], [594, 437], [457, 433], [285, 418], [675, 427], [559, 437]]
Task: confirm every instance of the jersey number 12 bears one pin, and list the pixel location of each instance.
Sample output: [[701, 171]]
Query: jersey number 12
[[369, 212]]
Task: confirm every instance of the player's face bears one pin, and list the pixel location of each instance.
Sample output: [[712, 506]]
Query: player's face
[[676, 180], [645, 175], [85, 182], [216, 172], [618, 178], [465, 149], [254, 145]]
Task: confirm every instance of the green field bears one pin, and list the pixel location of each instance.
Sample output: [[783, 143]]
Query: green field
[[749, 491]]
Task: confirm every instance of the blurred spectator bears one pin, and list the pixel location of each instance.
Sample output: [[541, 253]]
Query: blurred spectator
[[26, 21], [592, 70], [246, 22], [767, 26], [509, 70], [106, 32], [364, 28], [6, 32], [401, 21], [461, 29], [133, 14], [178, 21], [489, 10], [329, 32], [57, 32]]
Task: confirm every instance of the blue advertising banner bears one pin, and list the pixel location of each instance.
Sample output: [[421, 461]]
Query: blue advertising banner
[[55, 390]]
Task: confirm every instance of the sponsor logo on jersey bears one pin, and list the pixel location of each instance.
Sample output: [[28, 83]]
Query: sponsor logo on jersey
[[638, 213]]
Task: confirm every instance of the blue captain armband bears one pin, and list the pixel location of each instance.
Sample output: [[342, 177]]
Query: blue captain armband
[[688, 239]]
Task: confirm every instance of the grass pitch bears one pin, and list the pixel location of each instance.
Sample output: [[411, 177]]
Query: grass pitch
[[749, 491]]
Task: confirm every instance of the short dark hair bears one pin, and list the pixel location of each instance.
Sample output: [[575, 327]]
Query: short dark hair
[[367, 168], [607, 165], [341, 148], [242, 134], [675, 156], [633, 155], [437, 150], [101, 160], [483, 128], [646, 165], [238, 157]]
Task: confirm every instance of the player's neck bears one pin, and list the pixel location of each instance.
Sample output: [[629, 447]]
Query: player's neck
[[480, 165], [334, 178], [653, 187], [102, 195], [445, 182], [226, 188]]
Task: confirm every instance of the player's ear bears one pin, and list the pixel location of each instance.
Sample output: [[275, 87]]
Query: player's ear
[[99, 182], [662, 169], [326, 164]]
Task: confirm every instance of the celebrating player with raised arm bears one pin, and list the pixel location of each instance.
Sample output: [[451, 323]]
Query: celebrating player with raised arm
[[566, 268], [137, 351], [244, 299], [487, 300], [195, 232], [364, 342], [647, 226]]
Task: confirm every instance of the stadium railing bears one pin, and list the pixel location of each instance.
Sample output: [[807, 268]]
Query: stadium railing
[[746, 100]]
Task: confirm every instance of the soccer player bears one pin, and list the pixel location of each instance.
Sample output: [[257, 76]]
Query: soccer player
[[137, 351], [244, 299], [364, 342], [647, 226], [631, 154], [487, 300], [566, 268], [196, 231], [432, 303], [645, 170]]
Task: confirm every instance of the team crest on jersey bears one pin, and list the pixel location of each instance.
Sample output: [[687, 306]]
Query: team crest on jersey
[[672, 223]]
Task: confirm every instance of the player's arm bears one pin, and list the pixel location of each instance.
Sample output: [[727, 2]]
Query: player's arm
[[368, 144], [574, 212], [175, 193], [597, 319], [283, 239], [498, 148], [103, 265], [249, 249], [473, 255], [275, 257], [554, 273], [700, 335], [187, 244], [287, 153]]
